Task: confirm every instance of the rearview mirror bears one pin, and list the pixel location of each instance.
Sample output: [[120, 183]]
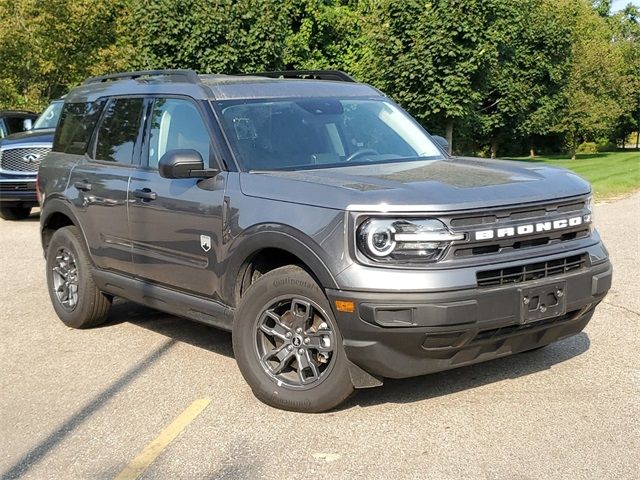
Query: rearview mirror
[[442, 142], [185, 163], [27, 124]]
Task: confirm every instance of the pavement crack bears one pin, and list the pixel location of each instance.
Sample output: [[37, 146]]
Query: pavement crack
[[622, 308]]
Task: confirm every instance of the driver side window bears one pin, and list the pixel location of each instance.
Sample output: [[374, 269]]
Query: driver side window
[[177, 124]]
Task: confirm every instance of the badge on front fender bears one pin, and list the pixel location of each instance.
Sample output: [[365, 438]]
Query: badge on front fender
[[205, 242]]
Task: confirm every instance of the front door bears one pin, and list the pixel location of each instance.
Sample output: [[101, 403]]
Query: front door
[[176, 224]]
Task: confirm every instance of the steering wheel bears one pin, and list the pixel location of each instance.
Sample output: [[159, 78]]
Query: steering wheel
[[359, 153]]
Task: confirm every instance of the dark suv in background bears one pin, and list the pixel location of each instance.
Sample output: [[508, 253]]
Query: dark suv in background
[[20, 157], [318, 222], [15, 121]]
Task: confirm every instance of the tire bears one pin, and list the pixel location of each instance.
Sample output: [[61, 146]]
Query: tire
[[14, 213], [265, 324], [68, 260]]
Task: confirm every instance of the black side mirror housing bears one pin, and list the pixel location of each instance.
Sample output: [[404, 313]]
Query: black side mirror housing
[[185, 163], [442, 142]]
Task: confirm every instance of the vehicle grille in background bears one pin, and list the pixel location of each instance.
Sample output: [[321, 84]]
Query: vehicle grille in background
[[17, 187], [530, 271], [13, 159]]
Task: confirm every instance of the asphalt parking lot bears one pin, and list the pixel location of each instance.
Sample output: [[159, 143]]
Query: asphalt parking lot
[[97, 403]]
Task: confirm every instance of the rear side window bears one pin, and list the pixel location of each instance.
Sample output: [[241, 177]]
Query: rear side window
[[119, 130], [77, 122]]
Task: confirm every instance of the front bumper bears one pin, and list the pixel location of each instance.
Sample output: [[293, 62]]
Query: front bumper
[[399, 335], [17, 189]]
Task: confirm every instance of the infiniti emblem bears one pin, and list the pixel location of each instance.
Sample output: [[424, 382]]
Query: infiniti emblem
[[31, 158]]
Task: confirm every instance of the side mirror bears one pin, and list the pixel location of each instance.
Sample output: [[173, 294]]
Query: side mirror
[[184, 164], [442, 142]]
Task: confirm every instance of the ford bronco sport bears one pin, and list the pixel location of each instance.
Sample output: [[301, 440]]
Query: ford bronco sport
[[318, 222]]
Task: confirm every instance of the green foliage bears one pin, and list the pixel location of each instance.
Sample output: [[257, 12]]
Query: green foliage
[[500, 76], [47, 47], [587, 147], [597, 87]]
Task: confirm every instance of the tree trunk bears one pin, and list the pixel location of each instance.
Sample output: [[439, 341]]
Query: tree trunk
[[494, 147], [449, 134], [638, 130]]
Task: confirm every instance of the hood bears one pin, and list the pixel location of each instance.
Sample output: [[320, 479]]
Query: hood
[[44, 135], [433, 185]]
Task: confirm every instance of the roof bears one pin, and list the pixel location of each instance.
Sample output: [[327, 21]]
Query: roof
[[17, 113], [215, 86]]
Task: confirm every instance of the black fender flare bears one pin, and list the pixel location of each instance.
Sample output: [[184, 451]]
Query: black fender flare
[[281, 237], [50, 208]]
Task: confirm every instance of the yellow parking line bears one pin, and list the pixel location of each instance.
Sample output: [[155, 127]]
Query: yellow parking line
[[139, 464]]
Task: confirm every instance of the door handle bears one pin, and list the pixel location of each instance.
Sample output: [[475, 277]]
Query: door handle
[[145, 194], [83, 186]]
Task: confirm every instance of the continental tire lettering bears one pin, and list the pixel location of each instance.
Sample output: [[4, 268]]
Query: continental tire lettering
[[289, 403], [294, 281]]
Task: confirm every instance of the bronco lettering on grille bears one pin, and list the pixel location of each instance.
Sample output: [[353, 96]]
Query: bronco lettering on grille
[[531, 228]]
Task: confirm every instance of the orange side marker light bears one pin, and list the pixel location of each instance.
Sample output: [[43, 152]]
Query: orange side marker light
[[345, 306]]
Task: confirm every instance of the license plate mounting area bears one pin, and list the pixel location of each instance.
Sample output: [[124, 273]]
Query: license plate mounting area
[[542, 302]]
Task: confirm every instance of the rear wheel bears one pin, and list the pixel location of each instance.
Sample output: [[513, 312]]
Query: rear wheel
[[287, 343], [75, 297], [14, 212]]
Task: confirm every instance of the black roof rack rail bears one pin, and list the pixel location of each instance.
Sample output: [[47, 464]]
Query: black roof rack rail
[[335, 75], [190, 76]]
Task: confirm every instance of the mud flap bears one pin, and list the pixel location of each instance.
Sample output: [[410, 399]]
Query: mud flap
[[362, 379]]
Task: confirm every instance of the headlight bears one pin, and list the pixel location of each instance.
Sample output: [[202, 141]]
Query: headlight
[[588, 218], [408, 240]]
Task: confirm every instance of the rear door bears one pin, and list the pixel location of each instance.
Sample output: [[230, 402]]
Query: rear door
[[102, 178], [176, 224]]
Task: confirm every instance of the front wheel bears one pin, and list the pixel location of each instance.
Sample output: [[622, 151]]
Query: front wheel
[[287, 344]]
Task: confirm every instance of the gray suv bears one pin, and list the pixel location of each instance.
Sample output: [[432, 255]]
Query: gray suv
[[317, 221]]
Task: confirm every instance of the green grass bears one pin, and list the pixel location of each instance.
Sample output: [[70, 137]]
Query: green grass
[[612, 174]]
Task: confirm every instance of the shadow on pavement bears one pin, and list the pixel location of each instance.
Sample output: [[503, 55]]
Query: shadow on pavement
[[465, 378], [179, 329], [37, 453], [393, 391]]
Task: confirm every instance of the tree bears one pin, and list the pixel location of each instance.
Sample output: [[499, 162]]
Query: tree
[[525, 80], [429, 56], [597, 87], [47, 47]]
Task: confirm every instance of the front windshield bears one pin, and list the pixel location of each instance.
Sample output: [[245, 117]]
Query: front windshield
[[322, 133], [49, 118]]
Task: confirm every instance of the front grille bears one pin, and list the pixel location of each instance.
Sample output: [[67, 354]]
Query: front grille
[[22, 159], [512, 218], [530, 271], [17, 187]]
